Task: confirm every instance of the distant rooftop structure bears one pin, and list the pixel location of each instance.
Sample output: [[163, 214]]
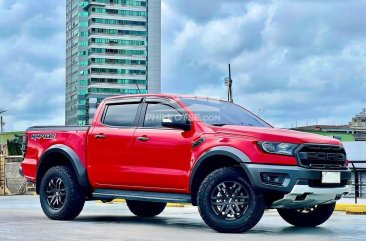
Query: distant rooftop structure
[[359, 121], [354, 131]]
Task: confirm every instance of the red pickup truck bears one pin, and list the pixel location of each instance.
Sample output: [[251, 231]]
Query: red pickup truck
[[155, 149]]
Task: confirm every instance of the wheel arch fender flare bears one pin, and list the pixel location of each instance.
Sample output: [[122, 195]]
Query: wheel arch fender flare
[[71, 157], [231, 152]]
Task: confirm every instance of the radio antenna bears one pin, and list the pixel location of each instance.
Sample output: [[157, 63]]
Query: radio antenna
[[138, 88]]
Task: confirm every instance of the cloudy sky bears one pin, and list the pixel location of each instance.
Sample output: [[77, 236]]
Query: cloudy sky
[[292, 61]]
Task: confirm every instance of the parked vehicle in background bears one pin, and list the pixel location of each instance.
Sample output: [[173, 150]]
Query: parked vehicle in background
[[155, 149]]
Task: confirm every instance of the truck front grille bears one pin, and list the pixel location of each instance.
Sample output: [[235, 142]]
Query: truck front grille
[[321, 156]]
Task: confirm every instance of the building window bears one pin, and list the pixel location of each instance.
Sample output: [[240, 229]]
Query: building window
[[84, 63], [118, 61], [117, 51], [118, 71], [83, 82], [84, 34], [83, 43], [120, 12], [119, 81], [81, 112], [81, 122], [117, 22], [83, 53], [84, 24], [84, 72], [84, 14], [117, 32], [122, 2], [82, 92], [83, 4], [117, 91]]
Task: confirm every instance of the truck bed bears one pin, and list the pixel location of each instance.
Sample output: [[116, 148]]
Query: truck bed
[[41, 139], [58, 128]]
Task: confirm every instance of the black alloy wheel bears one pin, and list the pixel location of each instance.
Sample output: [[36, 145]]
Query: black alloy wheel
[[229, 200], [61, 196], [56, 193]]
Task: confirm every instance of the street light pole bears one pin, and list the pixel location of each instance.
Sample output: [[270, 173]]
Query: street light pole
[[229, 84], [2, 123]]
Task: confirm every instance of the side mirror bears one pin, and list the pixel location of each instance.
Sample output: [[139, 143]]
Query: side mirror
[[178, 122]]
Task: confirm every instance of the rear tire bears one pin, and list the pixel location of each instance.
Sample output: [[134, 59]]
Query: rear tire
[[228, 203], [61, 196], [307, 217], [145, 209]]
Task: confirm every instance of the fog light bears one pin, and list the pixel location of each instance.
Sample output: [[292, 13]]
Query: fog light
[[273, 178]]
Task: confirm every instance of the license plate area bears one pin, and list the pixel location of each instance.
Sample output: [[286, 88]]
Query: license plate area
[[331, 178]]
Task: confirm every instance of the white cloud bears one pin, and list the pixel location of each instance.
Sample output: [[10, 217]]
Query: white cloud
[[32, 50], [300, 61]]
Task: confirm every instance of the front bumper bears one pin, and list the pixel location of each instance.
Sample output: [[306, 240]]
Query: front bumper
[[299, 187], [305, 196]]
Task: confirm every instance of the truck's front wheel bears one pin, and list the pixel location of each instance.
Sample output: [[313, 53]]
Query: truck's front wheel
[[228, 203], [145, 209], [308, 217], [61, 196]]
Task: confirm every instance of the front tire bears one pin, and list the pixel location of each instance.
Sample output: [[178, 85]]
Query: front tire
[[145, 209], [61, 196], [308, 217], [228, 203]]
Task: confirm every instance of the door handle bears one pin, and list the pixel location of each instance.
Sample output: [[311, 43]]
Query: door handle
[[100, 136], [143, 138]]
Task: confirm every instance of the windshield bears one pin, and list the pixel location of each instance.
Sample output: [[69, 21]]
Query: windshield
[[220, 113]]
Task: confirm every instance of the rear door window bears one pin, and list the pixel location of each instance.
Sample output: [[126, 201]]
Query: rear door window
[[121, 115]]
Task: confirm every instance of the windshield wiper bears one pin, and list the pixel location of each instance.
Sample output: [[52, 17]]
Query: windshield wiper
[[241, 124], [219, 124]]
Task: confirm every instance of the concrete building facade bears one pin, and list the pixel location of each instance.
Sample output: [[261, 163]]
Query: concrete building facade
[[113, 47], [359, 121]]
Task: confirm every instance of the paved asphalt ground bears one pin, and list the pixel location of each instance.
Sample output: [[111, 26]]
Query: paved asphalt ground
[[21, 218]]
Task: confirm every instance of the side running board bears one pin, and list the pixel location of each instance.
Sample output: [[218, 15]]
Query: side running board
[[141, 196]]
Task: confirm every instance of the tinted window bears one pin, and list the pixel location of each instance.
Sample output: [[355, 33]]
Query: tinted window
[[155, 114], [220, 113], [121, 115]]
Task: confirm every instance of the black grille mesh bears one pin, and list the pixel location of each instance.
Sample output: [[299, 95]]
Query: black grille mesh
[[322, 157]]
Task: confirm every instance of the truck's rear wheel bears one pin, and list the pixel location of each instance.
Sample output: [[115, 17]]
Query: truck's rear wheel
[[307, 217], [61, 196], [228, 203], [145, 209]]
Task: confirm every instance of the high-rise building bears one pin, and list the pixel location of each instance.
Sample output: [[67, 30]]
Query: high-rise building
[[113, 47]]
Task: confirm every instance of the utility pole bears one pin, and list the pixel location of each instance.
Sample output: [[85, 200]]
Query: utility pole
[[229, 84], [2, 123]]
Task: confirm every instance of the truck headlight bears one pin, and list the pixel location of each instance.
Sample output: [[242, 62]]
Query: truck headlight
[[278, 148]]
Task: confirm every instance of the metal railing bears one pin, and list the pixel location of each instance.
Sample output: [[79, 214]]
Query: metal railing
[[357, 177]]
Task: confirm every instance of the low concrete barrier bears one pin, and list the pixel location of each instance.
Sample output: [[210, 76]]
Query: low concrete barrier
[[14, 181], [2, 175], [11, 182]]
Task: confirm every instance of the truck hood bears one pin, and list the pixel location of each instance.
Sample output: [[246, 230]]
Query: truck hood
[[276, 134]]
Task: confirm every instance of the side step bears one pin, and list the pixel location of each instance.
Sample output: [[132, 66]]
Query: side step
[[141, 196]]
